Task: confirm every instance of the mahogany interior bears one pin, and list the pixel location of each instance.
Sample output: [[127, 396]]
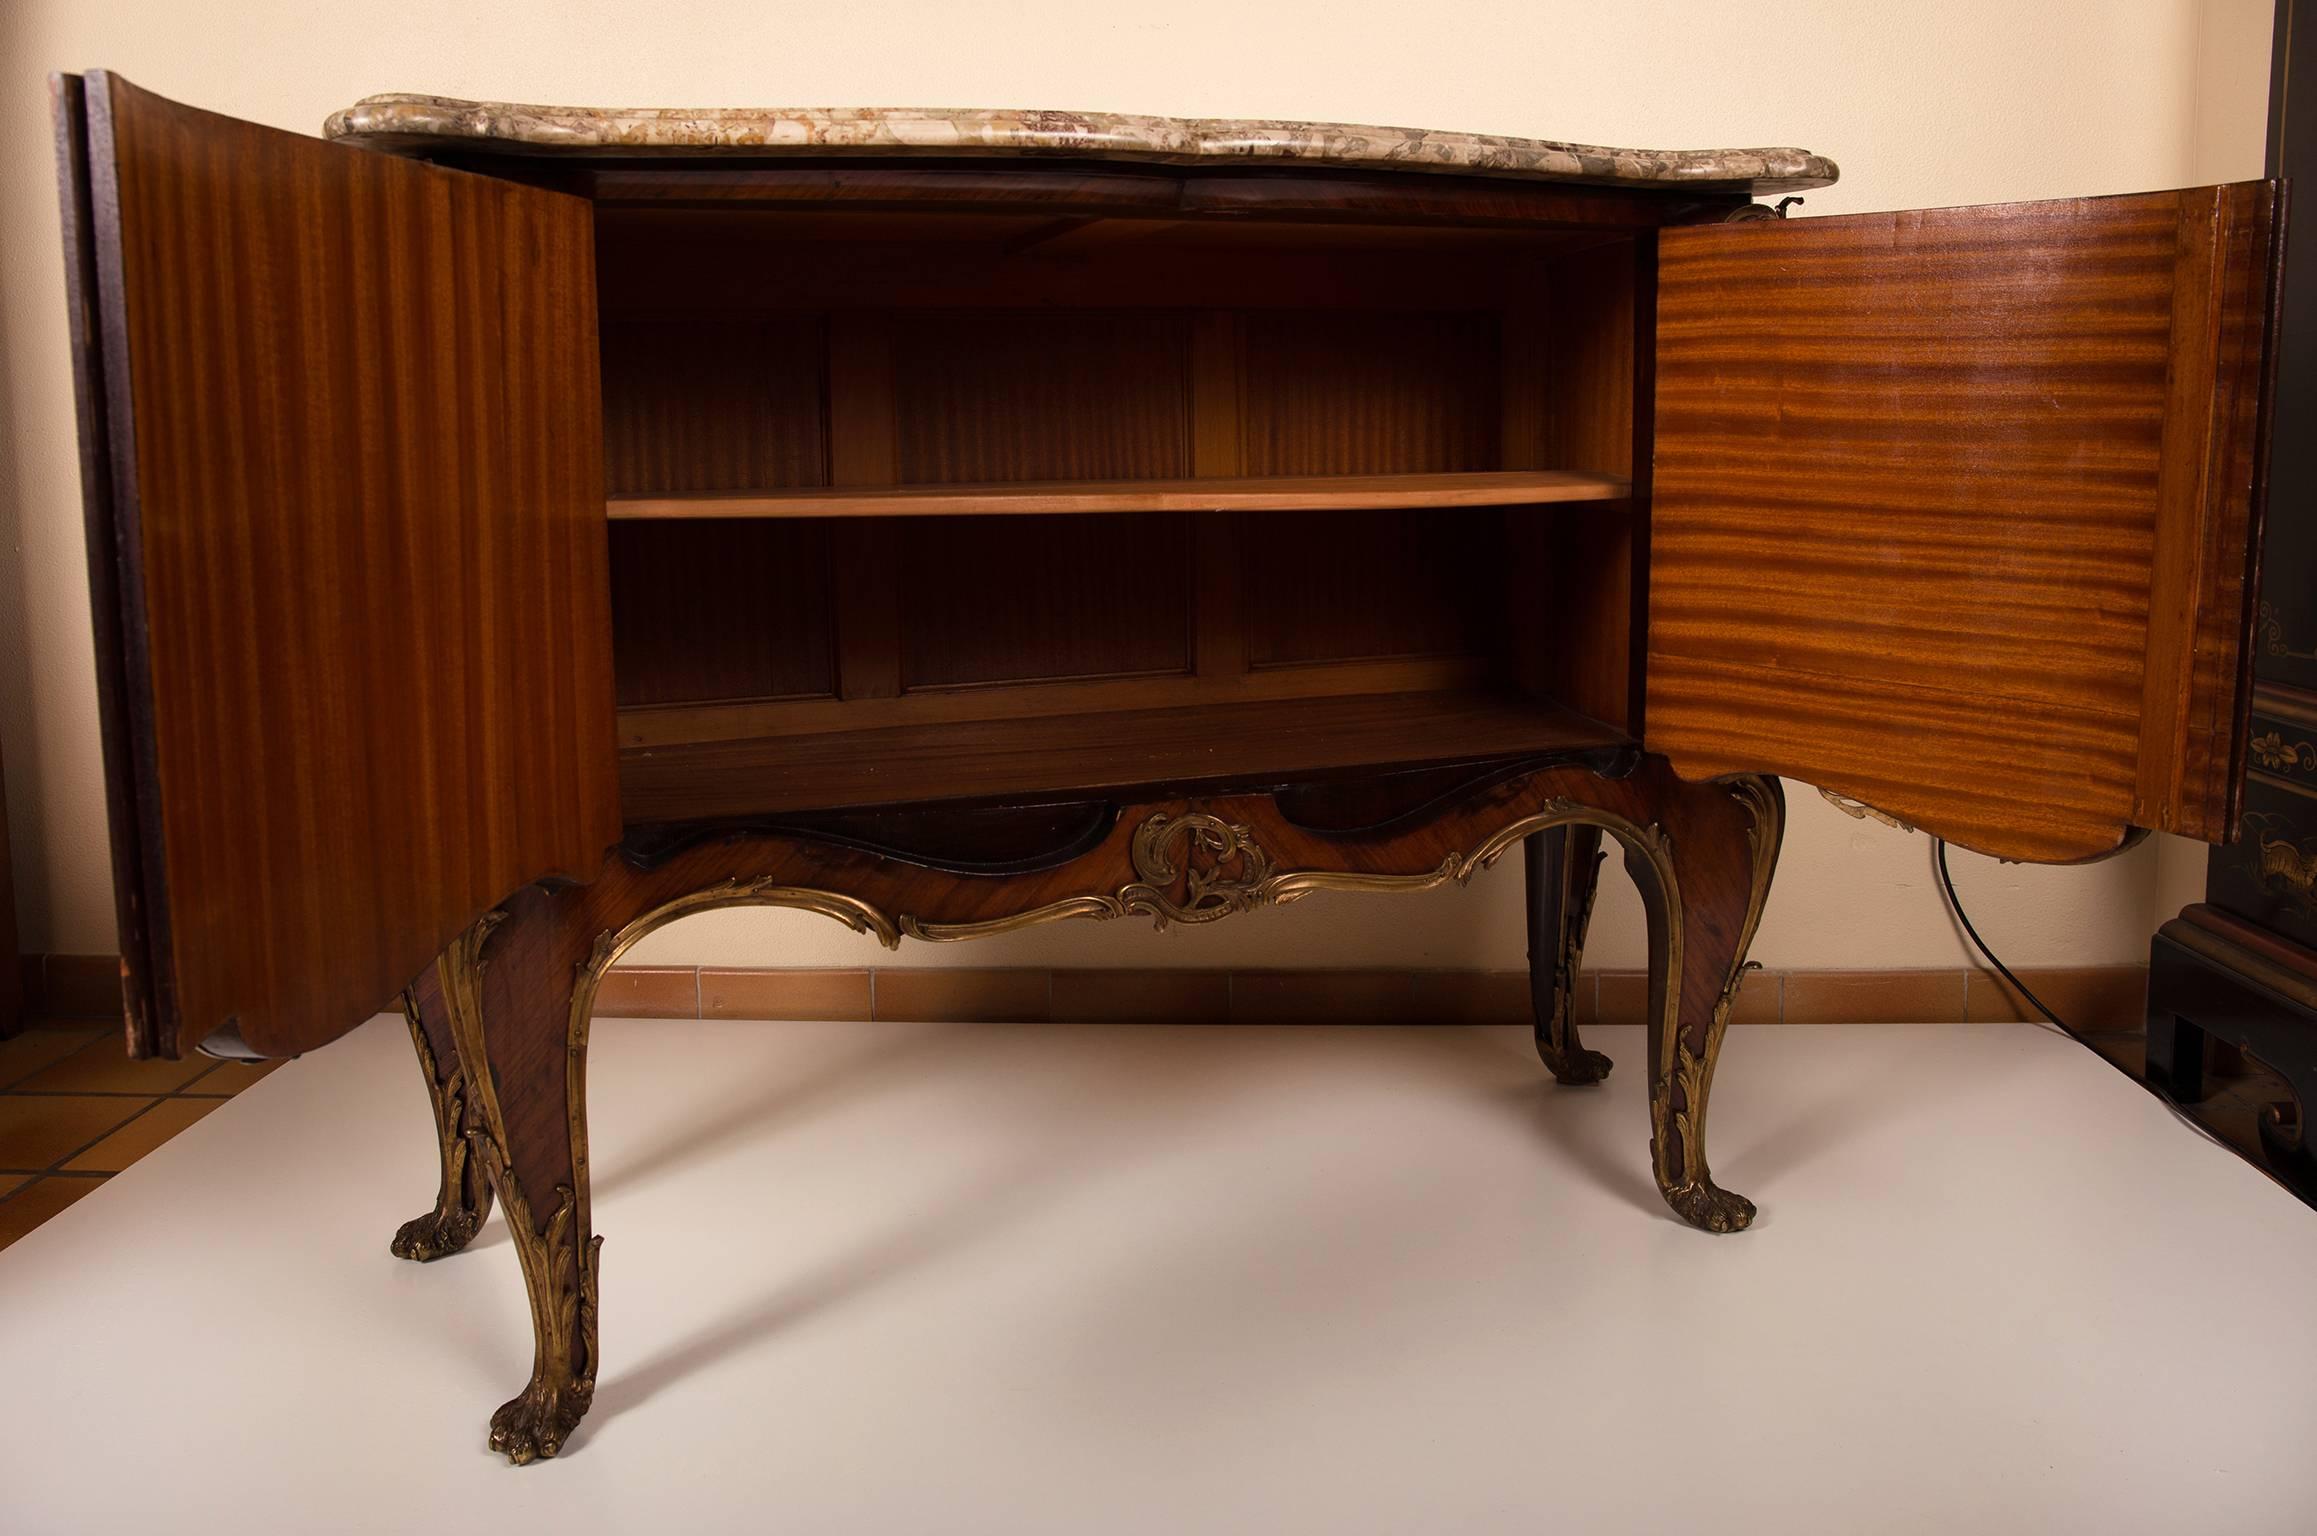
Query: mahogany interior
[[783, 387]]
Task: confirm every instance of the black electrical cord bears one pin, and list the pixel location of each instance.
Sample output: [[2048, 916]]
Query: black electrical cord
[[1955, 905]]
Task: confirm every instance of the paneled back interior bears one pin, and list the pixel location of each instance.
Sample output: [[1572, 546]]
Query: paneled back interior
[[752, 351]]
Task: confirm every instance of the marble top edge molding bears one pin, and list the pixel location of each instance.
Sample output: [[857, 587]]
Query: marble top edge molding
[[418, 124]]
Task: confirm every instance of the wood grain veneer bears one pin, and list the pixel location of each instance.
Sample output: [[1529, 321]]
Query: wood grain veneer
[[1112, 749], [1951, 509], [354, 475], [1009, 395], [1448, 203], [1017, 600], [1241, 493], [1360, 585], [699, 406], [1371, 394], [691, 619], [729, 721]]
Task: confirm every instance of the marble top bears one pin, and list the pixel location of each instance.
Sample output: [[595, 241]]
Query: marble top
[[428, 124]]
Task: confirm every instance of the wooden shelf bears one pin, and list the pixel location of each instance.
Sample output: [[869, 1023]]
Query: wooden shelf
[[1269, 493], [1110, 750]]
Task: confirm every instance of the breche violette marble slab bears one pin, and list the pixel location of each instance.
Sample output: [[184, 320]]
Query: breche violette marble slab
[[427, 124]]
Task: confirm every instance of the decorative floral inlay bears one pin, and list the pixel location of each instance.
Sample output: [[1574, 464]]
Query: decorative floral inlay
[[2271, 750]]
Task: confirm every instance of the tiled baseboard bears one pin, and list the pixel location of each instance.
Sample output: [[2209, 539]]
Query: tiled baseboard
[[2093, 999], [71, 986]]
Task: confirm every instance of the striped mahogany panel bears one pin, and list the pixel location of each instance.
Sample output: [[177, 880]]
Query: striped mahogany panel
[[2226, 319], [691, 620], [1348, 586], [1922, 484], [356, 478], [1022, 395], [731, 404], [1362, 394], [1026, 599]]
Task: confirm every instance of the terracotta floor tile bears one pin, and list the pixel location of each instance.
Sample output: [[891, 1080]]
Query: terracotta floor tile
[[81, 987], [1475, 997], [36, 1202], [784, 994], [141, 1135], [1761, 998], [103, 1066], [648, 992], [962, 996], [1328, 997], [230, 1077], [1874, 997], [2094, 999], [1142, 997], [37, 1048], [37, 1129], [1623, 997]]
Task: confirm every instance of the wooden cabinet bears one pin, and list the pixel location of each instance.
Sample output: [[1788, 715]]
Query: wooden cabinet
[[2242, 963], [987, 519]]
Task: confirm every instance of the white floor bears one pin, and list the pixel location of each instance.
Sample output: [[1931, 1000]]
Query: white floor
[[896, 1278]]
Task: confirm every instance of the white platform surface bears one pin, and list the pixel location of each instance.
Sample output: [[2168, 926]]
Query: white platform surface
[[898, 1278]]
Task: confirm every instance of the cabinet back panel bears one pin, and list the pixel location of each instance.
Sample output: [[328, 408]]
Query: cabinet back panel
[[1350, 586], [988, 600], [735, 610], [1027, 395], [1334, 394], [1574, 588], [721, 263], [714, 405]]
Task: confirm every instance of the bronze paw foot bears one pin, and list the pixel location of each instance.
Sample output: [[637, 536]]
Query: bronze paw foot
[[1711, 1208], [535, 1425], [437, 1234]]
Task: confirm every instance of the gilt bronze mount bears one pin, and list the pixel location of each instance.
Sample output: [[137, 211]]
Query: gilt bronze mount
[[515, 995]]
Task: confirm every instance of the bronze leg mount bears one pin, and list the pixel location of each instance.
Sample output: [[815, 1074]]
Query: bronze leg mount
[[502, 1032]]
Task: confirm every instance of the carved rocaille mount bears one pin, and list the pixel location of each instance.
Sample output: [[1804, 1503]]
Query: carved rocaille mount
[[560, 1261], [1702, 855], [464, 1199], [1563, 875]]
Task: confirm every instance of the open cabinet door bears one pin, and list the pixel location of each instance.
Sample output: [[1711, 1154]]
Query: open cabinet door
[[1954, 512], [341, 455]]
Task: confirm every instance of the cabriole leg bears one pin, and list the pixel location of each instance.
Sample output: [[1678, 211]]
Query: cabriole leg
[[1704, 886], [509, 987], [1563, 865], [464, 1197]]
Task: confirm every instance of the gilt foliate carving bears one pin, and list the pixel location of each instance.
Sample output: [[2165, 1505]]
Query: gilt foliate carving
[[464, 1197], [560, 1262], [1196, 868]]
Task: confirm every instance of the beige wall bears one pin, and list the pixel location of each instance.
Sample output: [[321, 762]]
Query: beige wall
[[1964, 101]]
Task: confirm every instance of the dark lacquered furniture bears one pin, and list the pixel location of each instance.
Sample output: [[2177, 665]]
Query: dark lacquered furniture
[[2241, 966], [513, 529]]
